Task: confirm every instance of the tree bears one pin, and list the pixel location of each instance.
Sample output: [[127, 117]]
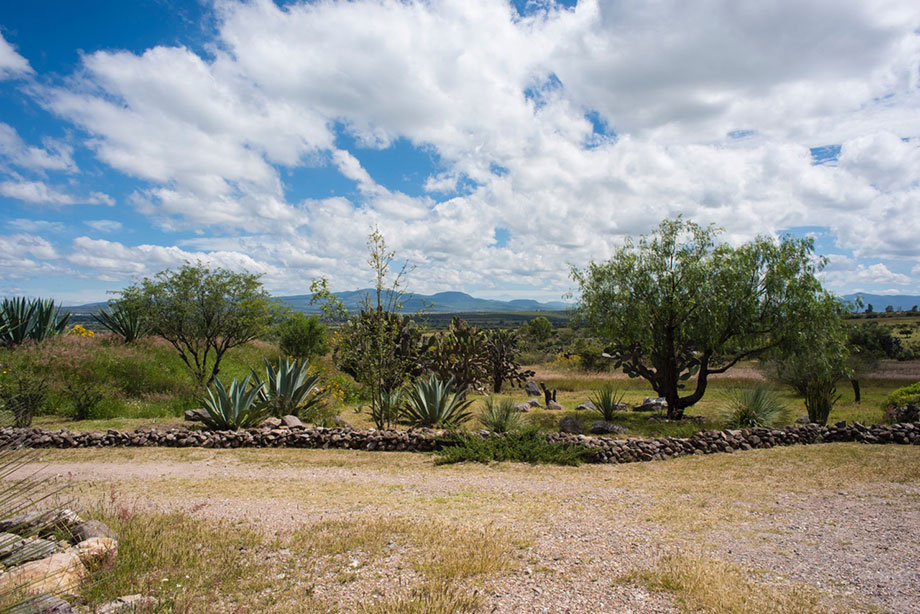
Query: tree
[[541, 328], [461, 355], [676, 306], [302, 337], [502, 353], [203, 313], [869, 308], [889, 309]]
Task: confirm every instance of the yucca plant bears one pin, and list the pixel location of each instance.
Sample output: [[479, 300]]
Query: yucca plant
[[432, 402], [388, 408], [289, 388], [23, 319], [607, 401], [501, 416], [237, 408], [125, 322], [753, 407]]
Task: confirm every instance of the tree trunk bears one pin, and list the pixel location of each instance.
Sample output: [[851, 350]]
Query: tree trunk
[[855, 383]]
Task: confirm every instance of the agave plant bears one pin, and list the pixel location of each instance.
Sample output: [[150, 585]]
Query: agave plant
[[501, 416], [432, 402], [123, 321], [22, 319], [289, 388], [607, 401], [237, 408], [388, 408], [758, 406]]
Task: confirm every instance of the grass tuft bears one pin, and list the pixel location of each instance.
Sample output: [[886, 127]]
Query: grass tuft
[[528, 445]]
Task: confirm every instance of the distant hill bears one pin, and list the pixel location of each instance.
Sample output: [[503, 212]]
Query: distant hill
[[442, 302], [898, 302]]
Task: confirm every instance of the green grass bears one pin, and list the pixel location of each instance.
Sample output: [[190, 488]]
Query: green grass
[[526, 446]]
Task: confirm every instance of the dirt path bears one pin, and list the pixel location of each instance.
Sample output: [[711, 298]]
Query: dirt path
[[582, 529]]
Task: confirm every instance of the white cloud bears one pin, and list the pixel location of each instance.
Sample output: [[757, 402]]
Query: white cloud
[[40, 193], [11, 63], [104, 225], [842, 270], [23, 255], [28, 225], [55, 156]]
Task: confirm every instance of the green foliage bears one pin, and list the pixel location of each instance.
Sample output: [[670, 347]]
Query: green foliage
[[904, 396], [872, 341], [500, 416], [22, 396], [303, 337], [540, 328], [203, 313], [240, 407], [462, 354], [759, 406], [389, 407], [125, 320], [607, 400], [676, 306], [289, 388], [591, 356], [23, 319], [432, 402], [528, 445], [502, 348]]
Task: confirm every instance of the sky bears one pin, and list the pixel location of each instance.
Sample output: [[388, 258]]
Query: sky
[[495, 144]]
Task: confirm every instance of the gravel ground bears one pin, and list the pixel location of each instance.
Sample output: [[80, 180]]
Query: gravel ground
[[583, 527]]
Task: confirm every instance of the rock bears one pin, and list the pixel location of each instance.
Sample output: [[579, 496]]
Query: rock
[[95, 549], [42, 604], [531, 388], [9, 543], [602, 427], [587, 405], [522, 407], [908, 413], [553, 405], [29, 550], [271, 423], [340, 422], [291, 421], [91, 528], [41, 522], [534, 402], [196, 415], [652, 404], [128, 605], [803, 419], [60, 573], [572, 425]]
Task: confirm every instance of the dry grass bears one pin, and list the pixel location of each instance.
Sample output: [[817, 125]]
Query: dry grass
[[704, 584]]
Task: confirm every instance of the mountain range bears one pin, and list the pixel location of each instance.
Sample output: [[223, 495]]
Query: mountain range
[[898, 302]]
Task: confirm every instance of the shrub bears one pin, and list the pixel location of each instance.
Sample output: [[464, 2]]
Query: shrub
[[23, 319], [607, 401], [432, 402], [904, 396], [751, 407], [124, 320], [239, 407], [525, 446], [22, 396], [289, 388], [303, 337], [501, 416]]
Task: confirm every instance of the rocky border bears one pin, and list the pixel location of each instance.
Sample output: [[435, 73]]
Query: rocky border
[[600, 449]]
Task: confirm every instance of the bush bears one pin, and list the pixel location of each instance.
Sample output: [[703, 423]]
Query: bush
[[432, 402], [525, 446], [904, 396], [607, 401], [754, 407], [237, 408], [22, 396], [303, 337], [501, 416]]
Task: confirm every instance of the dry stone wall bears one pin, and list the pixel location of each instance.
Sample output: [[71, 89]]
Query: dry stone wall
[[601, 449]]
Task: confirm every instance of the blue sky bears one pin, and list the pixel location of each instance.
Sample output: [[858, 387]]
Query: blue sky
[[495, 144]]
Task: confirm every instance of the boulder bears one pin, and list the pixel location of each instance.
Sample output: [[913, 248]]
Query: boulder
[[90, 529], [271, 423], [291, 422], [587, 405], [10, 543], [129, 604], [652, 404], [534, 402], [553, 405], [95, 549], [43, 604], [29, 550], [340, 422], [602, 427], [61, 572], [531, 388], [196, 415], [41, 522], [803, 420], [572, 425], [522, 407]]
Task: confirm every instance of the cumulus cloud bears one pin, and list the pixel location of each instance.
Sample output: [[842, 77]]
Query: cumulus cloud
[[54, 156], [23, 255], [106, 226], [40, 193], [711, 110], [32, 226], [11, 63]]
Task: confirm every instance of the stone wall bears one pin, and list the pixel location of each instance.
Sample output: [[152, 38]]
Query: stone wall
[[602, 449]]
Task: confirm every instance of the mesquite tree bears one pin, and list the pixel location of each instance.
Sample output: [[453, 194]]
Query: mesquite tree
[[676, 306]]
